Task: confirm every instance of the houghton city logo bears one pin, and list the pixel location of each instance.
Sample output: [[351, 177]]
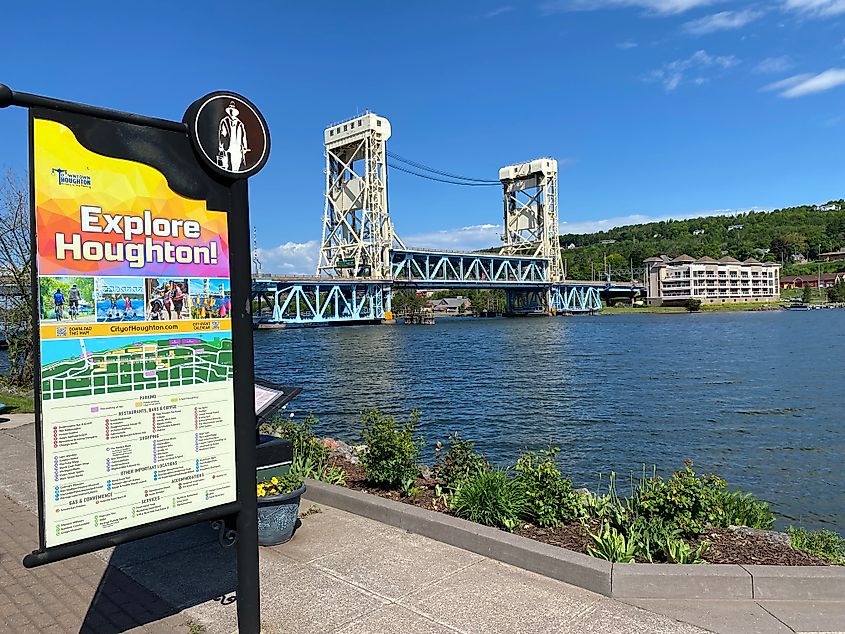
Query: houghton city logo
[[229, 134], [68, 178]]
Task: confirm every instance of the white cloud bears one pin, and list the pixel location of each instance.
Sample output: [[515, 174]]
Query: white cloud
[[290, 258], [627, 45], [469, 238], [591, 226], [673, 74], [816, 8], [722, 21], [772, 65], [789, 82], [807, 83], [659, 7], [498, 11]]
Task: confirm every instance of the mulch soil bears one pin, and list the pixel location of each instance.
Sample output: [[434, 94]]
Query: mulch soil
[[725, 546]]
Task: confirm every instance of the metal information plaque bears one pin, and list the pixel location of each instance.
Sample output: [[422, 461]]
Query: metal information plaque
[[136, 346]]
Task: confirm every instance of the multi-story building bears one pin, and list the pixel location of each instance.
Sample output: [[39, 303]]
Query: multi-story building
[[674, 281]]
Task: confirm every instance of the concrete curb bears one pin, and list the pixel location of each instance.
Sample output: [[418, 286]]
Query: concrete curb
[[550, 561], [628, 581]]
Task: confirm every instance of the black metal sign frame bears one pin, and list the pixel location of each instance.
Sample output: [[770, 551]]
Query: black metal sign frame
[[244, 510]]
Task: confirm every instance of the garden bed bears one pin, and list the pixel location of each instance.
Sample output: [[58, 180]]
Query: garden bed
[[725, 545], [683, 518]]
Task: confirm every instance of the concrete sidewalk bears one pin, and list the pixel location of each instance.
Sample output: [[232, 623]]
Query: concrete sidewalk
[[340, 573]]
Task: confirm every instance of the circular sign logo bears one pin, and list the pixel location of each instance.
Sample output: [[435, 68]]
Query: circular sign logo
[[229, 134]]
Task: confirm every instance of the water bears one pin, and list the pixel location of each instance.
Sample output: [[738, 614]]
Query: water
[[755, 397]]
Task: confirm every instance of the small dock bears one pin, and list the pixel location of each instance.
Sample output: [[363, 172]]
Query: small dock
[[422, 318]]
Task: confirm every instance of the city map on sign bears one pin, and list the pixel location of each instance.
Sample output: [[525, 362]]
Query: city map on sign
[[111, 365]]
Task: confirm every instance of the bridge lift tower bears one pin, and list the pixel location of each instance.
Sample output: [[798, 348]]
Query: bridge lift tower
[[357, 232], [531, 224]]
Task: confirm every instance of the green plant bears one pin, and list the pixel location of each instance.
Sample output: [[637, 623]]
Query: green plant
[[822, 543], [679, 552], [408, 486], [195, 628], [611, 545], [392, 448], [609, 506], [551, 500], [743, 509], [441, 497], [288, 483], [301, 434], [693, 305], [686, 500], [651, 535], [490, 497], [456, 462], [316, 467]]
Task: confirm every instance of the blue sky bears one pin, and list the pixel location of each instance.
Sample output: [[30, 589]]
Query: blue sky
[[654, 108]]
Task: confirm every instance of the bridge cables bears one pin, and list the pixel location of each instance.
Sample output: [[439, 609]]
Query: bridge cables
[[424, 171]]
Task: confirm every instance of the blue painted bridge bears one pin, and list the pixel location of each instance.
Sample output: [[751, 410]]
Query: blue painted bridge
[[336, 300]]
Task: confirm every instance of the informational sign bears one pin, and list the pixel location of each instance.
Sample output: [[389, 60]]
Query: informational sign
[[136, 359]]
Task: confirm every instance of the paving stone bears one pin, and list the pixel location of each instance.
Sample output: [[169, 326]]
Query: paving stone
[[311, 601], [397, 563], [495, 597], [722, 617], [328, 532], [68, 596], [809, 616], [396, 620]]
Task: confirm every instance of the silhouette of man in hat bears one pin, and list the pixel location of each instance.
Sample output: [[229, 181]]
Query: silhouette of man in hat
[[232, 142]]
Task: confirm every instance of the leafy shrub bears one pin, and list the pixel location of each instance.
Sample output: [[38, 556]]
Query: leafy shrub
[[611, 545], [551, 500], [454, 464], [743, 509], [686, 500], [301, 434], [392, 448], [490, 497], [693, 305], [823, 543]]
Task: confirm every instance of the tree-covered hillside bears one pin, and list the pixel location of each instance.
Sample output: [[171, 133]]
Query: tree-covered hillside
[[767, 236]]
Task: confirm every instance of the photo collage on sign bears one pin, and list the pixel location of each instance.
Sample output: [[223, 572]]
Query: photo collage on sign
[[88, 300]]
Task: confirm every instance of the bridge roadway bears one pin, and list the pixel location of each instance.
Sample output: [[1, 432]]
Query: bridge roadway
[[310, 300]]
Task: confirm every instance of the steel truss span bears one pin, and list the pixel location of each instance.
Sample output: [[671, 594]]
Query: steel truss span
[[362, 259], [304, 302], [429, 269]]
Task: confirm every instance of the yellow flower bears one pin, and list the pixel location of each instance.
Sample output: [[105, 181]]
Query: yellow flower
[[274, 480]]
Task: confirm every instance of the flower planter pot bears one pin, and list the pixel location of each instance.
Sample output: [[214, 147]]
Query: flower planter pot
[[277, 515]]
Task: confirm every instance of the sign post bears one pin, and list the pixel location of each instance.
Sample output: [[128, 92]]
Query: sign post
[[145, 408]]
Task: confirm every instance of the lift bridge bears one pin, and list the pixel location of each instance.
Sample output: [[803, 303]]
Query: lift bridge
[[363, 260]]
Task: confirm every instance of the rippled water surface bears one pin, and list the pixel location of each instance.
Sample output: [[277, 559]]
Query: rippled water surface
[[755, 397]]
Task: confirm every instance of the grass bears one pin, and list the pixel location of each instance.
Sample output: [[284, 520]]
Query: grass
[[628, 310], [16, 403], [738, 306]]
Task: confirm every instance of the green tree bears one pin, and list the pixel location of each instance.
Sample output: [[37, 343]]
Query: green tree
[[407, 301], [15, 271], [837, 292], [788, 244], [807, 295]]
